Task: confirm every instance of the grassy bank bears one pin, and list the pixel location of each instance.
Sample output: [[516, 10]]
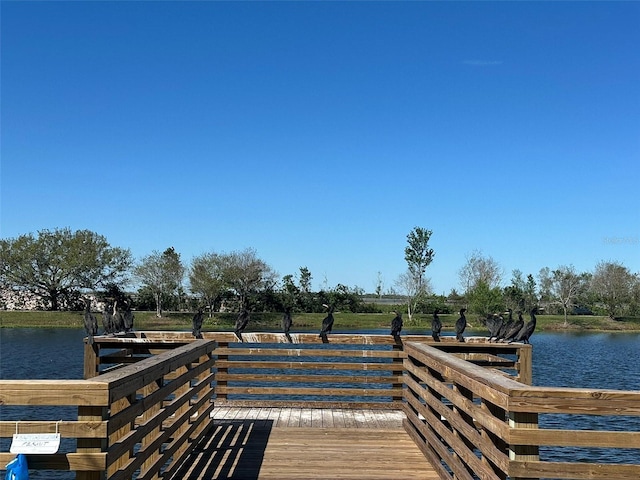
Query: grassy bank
[[306, 321]]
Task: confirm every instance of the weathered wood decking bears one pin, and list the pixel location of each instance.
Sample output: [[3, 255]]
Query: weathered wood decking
[[303, 443]]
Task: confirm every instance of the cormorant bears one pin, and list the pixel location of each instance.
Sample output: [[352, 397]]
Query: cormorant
[[241, 323], [327, 323], [528, 329], [118, 321], [128, 317], [107, 320], [494, 325], [505, 326], [396, 325], [514, 329], [436, 326], [196, 323], [461, 324], [90, 322], [287, 321]]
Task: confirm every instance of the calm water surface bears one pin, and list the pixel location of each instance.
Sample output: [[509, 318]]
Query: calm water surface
[[591, 360]]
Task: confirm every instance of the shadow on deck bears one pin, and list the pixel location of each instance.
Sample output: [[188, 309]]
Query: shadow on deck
[[245, 443]]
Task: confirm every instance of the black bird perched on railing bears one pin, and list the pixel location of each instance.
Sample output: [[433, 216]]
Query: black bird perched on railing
[[117, 319], [327, 323], [461, 324], [494, 325], [528, 329], [436, 326], [287, 322], [241, 323], [396, 325], [90, 322], [107, 320], [128, 317], [514, 329], [196, 323], [505, 326]]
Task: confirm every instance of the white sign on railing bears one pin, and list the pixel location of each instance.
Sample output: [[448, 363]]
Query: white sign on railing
[[42, 443]]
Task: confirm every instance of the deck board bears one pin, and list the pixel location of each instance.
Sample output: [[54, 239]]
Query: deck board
[[294, 443]]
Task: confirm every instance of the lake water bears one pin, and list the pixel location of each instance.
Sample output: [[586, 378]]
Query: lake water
[[589, 360]]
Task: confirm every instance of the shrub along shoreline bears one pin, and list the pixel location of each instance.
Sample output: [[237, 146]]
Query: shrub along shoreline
[[309, 322]]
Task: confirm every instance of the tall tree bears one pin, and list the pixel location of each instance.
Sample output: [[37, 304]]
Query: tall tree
[[58, 263], [162, 273], [418, 256], [613, 285], [480, 268], [206, 277], [245, 273], [564, 286]]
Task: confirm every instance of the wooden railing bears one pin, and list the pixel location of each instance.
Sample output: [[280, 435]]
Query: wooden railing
[[472, 422], [140, 419], [351, 371]]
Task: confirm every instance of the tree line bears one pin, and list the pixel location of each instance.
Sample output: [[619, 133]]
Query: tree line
[[56, 268]]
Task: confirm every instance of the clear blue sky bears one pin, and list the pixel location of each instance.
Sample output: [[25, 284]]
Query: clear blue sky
[[321, 133]]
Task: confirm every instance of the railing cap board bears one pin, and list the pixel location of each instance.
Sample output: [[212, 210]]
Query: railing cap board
[[159, 365], [478, 373], [526, 398], [53, 392]]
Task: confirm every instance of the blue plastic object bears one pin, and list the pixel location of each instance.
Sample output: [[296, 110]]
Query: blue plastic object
[[17, 468]]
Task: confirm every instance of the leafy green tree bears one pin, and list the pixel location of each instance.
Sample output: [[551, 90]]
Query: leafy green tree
[[206, 277], [484, 299], [59, 263], [613, 285], [162, 273], [418, 256]]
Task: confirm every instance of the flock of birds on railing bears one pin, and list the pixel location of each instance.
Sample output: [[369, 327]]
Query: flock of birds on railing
[[114, 320], [117, 320]]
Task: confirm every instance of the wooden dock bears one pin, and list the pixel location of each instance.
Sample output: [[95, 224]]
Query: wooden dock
[[304, 443]]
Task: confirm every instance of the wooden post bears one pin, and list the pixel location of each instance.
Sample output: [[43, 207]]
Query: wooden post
[[91, 445], [398, 371], [525, 365], [222, 397], [91, 360], [500, 414], [523, 453]]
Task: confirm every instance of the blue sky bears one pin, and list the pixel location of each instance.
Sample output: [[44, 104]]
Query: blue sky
[[321, 133]]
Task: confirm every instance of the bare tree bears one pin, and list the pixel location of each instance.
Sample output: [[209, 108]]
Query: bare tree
[[414, 289], [479, 268], [563, 286], [245, 273]]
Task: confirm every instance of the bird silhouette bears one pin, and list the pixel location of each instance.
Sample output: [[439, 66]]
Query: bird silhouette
[[196, 323], [436, 326], [118, 320], [90, 322], [107, 320], [505, 326], [327, 323], [396, 325], [461, 324], [494, 325], [528, 329], [128, 317], [287, 322], [241, 323], [513, 331]]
